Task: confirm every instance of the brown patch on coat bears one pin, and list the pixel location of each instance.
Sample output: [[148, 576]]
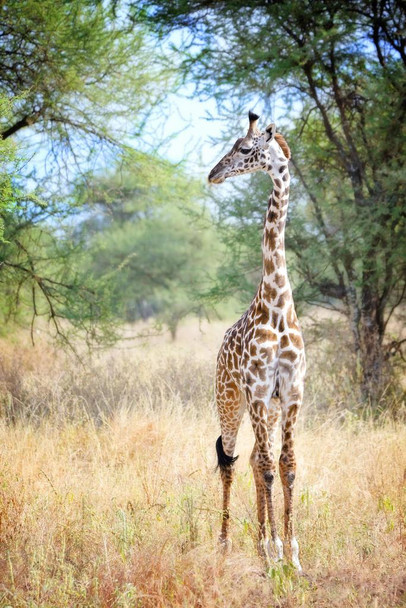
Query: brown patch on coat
[[253, 350], [273, 216], [280, 279], [231, 393], [261, 391], [292, 413], [267, 353], [270, 239], [262, 314], [277, 183], [275, 317], [279, 258], [296, 340], [264, 335], [257, 369], [283, 298], [284, 342], [269, 292], [291, 316], [289, 354], [269, 266]]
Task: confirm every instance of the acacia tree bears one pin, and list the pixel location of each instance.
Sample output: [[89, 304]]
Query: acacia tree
[[77, 81], [84, 73], [340, 70]]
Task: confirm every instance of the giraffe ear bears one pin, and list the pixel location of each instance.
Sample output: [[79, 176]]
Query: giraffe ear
[[270, 132]]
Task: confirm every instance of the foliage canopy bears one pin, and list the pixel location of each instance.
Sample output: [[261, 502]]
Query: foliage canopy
[[83, 73]]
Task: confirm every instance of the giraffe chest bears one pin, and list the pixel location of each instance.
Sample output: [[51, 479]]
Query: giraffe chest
[[259, 351]]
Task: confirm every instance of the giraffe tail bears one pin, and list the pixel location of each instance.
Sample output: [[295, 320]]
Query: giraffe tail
[[223, 461]]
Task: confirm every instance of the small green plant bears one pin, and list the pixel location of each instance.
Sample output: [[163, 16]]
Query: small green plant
[[385, 504], [128, 597], [189, 518], [124, 532], [282, 577], [306, 499]]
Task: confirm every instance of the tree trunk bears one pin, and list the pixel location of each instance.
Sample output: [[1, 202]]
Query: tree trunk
[[374, 372], [372, 355], [173, 328]]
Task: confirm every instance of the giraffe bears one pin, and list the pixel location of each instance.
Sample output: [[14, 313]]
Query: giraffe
[[261, 363]]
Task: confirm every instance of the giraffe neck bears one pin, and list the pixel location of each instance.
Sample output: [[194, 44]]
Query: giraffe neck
[[274, 272]]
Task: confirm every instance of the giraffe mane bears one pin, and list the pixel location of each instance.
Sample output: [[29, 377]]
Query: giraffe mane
[[281, 141]]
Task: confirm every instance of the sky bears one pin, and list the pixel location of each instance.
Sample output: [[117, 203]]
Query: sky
[[189, 134], [180, 133], [186, 132], [193, 133]]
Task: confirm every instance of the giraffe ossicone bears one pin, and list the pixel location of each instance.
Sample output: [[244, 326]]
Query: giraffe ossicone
[[261, 363]]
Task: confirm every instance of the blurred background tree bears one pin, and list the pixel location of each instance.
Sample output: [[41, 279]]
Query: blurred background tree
[[148, 235], [339, 71]]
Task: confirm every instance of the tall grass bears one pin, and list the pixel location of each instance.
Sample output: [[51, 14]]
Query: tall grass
[[108, 495]]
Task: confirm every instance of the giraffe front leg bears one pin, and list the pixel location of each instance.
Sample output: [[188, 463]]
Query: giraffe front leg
[[287, 470], [273, 415], [266, 550], [263, 540]]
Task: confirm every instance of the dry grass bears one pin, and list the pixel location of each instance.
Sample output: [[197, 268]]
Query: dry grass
[[108, 495]]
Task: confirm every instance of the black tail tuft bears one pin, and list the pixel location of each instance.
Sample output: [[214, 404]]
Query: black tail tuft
[[223, 461]]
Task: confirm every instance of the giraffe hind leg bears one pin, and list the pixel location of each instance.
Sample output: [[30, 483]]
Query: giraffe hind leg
[[226, 465], [231, 407], [223, 460]]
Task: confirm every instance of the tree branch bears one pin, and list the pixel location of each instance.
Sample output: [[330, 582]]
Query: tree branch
[[26, 121]]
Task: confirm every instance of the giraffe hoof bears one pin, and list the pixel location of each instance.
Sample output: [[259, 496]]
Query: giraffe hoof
[[263, 548], [225, 545], [275, 549], [292, 554], [295, 555], [263, 552]]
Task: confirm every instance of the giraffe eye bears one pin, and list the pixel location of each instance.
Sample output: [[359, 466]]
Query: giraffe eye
[[245, 150]]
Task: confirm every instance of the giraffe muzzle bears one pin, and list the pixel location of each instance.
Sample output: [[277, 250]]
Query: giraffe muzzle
[[215, 176]]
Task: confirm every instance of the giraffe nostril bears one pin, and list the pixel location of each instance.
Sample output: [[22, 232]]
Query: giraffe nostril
[[215, 176]]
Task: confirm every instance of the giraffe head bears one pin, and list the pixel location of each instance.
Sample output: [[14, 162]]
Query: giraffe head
[[257, 151]]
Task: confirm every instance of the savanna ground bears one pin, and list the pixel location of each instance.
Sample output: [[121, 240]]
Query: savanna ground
[[108, 495]]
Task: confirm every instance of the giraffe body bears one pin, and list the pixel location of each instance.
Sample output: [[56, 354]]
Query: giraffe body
[[261, 363]]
